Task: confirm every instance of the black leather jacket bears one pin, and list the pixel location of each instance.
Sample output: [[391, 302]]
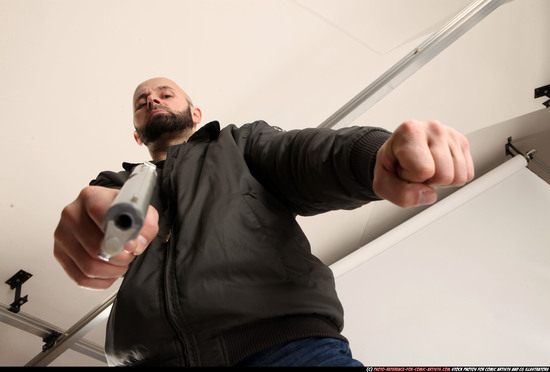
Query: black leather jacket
[[231, 273]]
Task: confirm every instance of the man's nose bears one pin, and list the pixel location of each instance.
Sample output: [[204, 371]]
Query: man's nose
[[152, 101]]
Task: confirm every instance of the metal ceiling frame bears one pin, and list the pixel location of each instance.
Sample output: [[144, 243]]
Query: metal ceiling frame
[[413, 61], [74, 334], [44, 330]]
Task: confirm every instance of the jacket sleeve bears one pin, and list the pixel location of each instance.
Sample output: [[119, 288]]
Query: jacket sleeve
[[315, 170], [111, 179]]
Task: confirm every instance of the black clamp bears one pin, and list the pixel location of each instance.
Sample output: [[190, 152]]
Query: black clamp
[[16, 282], [50, 340], [512, 151], [543, 92]]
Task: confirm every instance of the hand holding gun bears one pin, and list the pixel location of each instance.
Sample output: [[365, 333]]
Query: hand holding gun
[[126, 216]]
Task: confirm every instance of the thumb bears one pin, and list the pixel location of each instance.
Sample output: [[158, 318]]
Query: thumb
[[389, 186], [146, 235]]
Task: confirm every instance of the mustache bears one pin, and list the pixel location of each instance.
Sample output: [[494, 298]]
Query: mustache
[[159, 106], [155, 107]]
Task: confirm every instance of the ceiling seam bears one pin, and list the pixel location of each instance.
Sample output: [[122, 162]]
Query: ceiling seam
[[335, 26]]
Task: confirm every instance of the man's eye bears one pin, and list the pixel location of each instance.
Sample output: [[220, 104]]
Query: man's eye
[[140, 105], [167, 96]]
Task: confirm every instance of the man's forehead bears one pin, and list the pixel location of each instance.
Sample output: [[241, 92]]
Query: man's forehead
[[147, 88]]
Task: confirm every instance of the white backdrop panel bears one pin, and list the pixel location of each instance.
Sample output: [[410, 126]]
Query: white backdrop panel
[[466, 282]]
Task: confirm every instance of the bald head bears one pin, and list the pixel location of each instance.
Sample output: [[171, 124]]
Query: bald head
[[158, 84]]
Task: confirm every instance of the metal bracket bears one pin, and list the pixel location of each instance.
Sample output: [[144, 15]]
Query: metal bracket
[[45, 331], [58, 345], [50, 340], [513, 151], [16, 282], [543, 92], [509, 147]]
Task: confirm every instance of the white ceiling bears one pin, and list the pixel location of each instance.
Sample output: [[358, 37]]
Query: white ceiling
[[68, 69]]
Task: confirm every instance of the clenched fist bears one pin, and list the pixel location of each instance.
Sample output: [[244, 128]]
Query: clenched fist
[[417, 157]]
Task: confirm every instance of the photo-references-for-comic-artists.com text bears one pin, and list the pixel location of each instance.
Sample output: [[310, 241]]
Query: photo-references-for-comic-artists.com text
[[458, 369]]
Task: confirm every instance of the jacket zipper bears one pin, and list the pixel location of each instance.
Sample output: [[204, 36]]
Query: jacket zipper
[[170, 300]]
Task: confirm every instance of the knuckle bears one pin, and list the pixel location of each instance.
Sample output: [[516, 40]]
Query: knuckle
[[90, 200], [68, 215], [465, 144], [444, 179], [58, 237], [58, 247], [81, 281], [436, 127], [435, 123], [85, 282], [90, 268], [460, 177], [95, 207], [471, 174], [57, 253], [425, 171], [410, 126], [86, 192], [449, 180]]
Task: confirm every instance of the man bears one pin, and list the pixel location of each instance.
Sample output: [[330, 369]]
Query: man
[[221, 273]]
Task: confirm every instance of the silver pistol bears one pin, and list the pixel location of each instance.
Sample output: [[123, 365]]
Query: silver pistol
[[126, 216]]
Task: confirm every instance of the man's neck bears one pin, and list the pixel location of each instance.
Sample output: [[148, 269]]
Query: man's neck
[[159, 149]]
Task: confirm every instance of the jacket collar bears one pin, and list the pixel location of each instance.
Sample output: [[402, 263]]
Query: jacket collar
[[207, 133]]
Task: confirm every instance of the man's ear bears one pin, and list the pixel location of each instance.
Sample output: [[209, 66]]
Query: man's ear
[[196, 114], [136, 137]]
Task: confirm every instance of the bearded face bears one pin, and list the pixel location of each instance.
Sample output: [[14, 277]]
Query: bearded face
[[165, 123]]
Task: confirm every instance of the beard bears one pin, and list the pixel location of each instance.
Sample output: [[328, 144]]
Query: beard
[[161, 124]]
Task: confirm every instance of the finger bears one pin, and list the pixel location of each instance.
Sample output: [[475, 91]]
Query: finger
[[87, 233], [84, 265], [412, 153], [460, 167], [446, 163], [84, 232], [454, 165], [76, 227], [78, 277], [97, 201], [402, 193], [148, 232], [467, 154]]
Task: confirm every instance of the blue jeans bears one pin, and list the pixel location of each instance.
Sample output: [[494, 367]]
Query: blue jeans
[[307, 352]]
